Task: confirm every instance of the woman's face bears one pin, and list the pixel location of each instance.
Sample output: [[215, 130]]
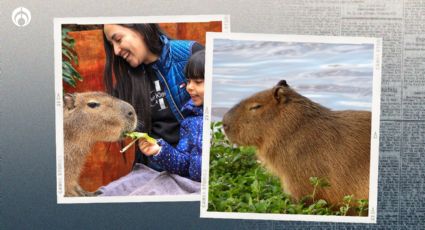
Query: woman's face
[[195, 88], [127, 44]]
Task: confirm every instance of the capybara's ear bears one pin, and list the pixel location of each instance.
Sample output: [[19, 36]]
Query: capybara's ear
[[282, 83], [69, 101], [279, 94]]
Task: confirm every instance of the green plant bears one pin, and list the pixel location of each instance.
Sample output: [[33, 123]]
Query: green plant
[[319, 207], [362, 206], [346, 205], [318, 182], [69, 57], [239, 183]]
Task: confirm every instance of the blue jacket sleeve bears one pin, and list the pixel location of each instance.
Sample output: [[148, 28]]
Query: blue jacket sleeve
[[195, 167], [179, 160]]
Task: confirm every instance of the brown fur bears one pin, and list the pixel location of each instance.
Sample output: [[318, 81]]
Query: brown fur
[[297, 139], [84, 126]]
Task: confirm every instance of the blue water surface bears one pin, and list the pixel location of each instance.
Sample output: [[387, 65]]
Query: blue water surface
[[338, 76]]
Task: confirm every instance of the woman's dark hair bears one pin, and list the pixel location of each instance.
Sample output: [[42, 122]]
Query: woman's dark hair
[[135, 90], [195, 67]]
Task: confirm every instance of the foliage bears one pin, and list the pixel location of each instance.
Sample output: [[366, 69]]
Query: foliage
[[239, 183], [317, 182], [69, 74], [346, 205], [362, 206]]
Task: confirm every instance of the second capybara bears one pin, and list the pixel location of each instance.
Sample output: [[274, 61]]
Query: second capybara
[[297, 138], [90, 117]]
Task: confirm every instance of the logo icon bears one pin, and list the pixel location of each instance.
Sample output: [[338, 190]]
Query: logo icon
[[21, 16]]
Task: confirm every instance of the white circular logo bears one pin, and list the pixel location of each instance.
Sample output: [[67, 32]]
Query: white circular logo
[[21, 16]]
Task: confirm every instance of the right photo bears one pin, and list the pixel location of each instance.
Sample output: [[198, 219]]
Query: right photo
[[293, 123]]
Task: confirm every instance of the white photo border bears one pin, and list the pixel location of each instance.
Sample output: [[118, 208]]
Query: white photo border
[[376, 95], [57, 23]]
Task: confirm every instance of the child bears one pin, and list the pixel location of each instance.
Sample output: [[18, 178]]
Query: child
[[185, 158]]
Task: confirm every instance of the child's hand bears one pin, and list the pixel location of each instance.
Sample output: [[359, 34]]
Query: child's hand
[[148, 148]]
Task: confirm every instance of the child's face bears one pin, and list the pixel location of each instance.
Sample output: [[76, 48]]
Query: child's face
[[195, 88]]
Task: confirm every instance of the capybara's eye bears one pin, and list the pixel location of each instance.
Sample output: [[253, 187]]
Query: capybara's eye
[[256, 106], [93, 104]]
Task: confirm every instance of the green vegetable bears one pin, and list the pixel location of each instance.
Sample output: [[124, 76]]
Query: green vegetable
[[136, 136]]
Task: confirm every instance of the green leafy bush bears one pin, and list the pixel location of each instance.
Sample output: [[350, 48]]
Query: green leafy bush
[[69, 73], [239, 183]]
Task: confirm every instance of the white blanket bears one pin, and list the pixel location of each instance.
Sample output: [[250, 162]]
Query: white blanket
[[146, 181]]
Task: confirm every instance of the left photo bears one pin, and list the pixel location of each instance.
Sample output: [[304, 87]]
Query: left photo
[[129, 107]]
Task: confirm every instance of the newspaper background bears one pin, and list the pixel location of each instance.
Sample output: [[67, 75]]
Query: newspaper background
[[401, 24]]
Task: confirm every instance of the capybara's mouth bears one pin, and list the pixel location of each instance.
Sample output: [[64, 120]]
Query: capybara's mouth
[[233, 142], [127, 130], [229, 137], [237, 139], [130, 127], [122, 135], [228, 133]]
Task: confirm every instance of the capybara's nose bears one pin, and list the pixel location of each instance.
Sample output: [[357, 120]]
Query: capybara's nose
[[128, 110], [131, 114]]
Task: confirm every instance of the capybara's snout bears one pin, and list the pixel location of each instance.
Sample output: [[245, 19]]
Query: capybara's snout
[[130, 115], [226, 122], [226, 125], [128, 111], [230, 130]]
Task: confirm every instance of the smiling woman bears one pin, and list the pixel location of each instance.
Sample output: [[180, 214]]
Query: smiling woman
[[132, 46]]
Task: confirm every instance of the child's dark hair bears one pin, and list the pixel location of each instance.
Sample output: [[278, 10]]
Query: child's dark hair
[[195, 67]]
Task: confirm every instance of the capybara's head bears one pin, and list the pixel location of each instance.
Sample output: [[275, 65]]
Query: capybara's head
[[98, 116], [254, 118]]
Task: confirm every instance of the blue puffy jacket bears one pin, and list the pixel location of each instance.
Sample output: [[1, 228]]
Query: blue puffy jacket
[[169, 69], [185, 158]]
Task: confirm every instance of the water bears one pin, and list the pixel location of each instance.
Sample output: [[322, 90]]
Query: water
[[338, 76]]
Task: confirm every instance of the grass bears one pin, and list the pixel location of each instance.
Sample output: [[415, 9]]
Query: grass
[[239, 183]]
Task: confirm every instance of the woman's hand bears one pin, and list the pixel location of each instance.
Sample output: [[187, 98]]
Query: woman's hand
[[147, 148]]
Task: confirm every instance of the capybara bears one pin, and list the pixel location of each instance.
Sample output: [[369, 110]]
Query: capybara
[[297, 138], [90, 117]]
